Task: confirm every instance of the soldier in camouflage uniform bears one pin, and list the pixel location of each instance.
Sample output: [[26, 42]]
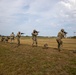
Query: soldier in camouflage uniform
[[34, 37], [60, 35], [2, 39], [12, 36], [18, 38], [6, 39]]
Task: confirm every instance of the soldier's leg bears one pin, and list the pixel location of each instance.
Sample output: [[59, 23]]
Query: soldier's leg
[[58, 41], [11, 40], [33, 43], [58, 45], [61, 44], [33, 40], [18, 40], [36, 41]]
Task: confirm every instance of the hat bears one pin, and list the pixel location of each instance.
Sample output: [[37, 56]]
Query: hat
[[62, 30]]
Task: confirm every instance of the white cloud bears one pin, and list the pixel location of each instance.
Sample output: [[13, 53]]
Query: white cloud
[[24, 14]]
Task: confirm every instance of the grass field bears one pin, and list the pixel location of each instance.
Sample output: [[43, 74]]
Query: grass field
[[28, 60]]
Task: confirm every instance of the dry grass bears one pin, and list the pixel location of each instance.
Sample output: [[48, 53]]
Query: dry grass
[[28, 60], [69, 44]]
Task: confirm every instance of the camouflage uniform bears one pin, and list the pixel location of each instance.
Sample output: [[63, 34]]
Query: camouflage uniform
[[59, 38], [6, 39], [12, 36], [18, 38], [34, 37], [2, 39]]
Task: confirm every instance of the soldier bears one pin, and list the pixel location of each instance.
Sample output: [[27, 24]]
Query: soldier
[[6, 39], [18, 37], [12, 36], [60, 35], [34, 37], [2, 39], [45, 46]]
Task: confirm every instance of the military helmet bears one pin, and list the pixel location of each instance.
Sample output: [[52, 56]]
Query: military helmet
[[19, 32], [12, 32], [62, 30], [34, 30]]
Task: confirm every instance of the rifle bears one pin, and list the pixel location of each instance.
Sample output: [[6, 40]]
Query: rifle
[[65, 33], [36, 31], [22, 33]]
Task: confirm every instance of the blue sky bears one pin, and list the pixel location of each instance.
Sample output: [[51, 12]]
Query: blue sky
[[46, 16]]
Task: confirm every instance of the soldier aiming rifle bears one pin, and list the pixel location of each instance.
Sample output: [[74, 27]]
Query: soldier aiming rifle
[[60, 35], [34, 37], [12, 36], [18, 38]]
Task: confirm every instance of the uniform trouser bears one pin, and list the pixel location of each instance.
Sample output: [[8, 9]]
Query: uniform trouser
[[59, 41], [18, 40], [12, 39], [34, 41]]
